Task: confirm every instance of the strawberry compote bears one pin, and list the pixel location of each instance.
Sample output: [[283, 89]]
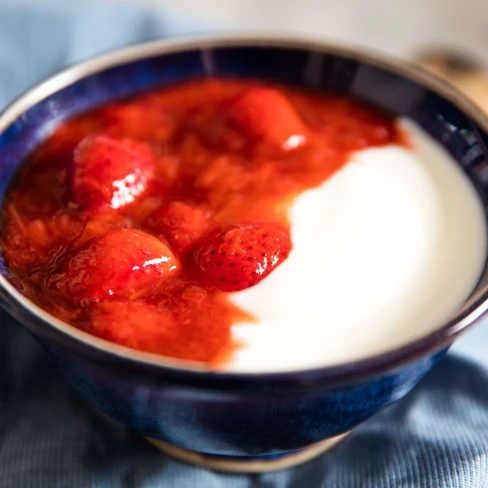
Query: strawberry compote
[[134, 222]]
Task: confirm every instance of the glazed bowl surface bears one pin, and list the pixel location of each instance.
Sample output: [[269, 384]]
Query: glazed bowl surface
[[238, 415]]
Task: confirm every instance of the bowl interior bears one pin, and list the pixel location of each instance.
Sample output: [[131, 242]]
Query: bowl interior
[[34, 117]]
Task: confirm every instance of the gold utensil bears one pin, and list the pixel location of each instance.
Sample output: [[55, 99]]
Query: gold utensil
[[460, 70]]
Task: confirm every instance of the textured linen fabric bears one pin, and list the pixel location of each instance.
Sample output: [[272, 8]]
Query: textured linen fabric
[[437, 437]]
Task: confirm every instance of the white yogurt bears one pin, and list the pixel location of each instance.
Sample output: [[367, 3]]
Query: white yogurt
[[383, 252]]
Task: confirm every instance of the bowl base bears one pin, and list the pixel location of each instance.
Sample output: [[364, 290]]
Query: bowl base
[[252, 464]]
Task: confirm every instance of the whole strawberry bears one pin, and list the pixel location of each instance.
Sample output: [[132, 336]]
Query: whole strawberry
[[121, 263], [239, 256], [109, 172], [266, 115]]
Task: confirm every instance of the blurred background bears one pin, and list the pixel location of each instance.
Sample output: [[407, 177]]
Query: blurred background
[[398, 27]]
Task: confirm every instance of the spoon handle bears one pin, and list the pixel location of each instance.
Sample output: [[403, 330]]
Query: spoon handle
[[461, 71]]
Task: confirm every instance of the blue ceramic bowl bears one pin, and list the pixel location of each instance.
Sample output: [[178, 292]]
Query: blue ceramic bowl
[[248, 418]]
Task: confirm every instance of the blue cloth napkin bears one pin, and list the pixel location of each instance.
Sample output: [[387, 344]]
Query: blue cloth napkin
[[50, 437]]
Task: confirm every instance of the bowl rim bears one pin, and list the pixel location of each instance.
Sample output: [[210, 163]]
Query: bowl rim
[[429, 344]]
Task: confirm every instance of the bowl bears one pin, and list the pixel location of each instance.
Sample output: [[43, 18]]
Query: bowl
[[237, 421]]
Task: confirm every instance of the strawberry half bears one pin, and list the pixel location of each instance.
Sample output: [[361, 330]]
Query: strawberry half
[[122, 263], [266, 115], [182, 224], [110, 173], [239, 256]]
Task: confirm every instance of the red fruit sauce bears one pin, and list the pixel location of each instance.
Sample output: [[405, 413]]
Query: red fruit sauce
[[134, 221]]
